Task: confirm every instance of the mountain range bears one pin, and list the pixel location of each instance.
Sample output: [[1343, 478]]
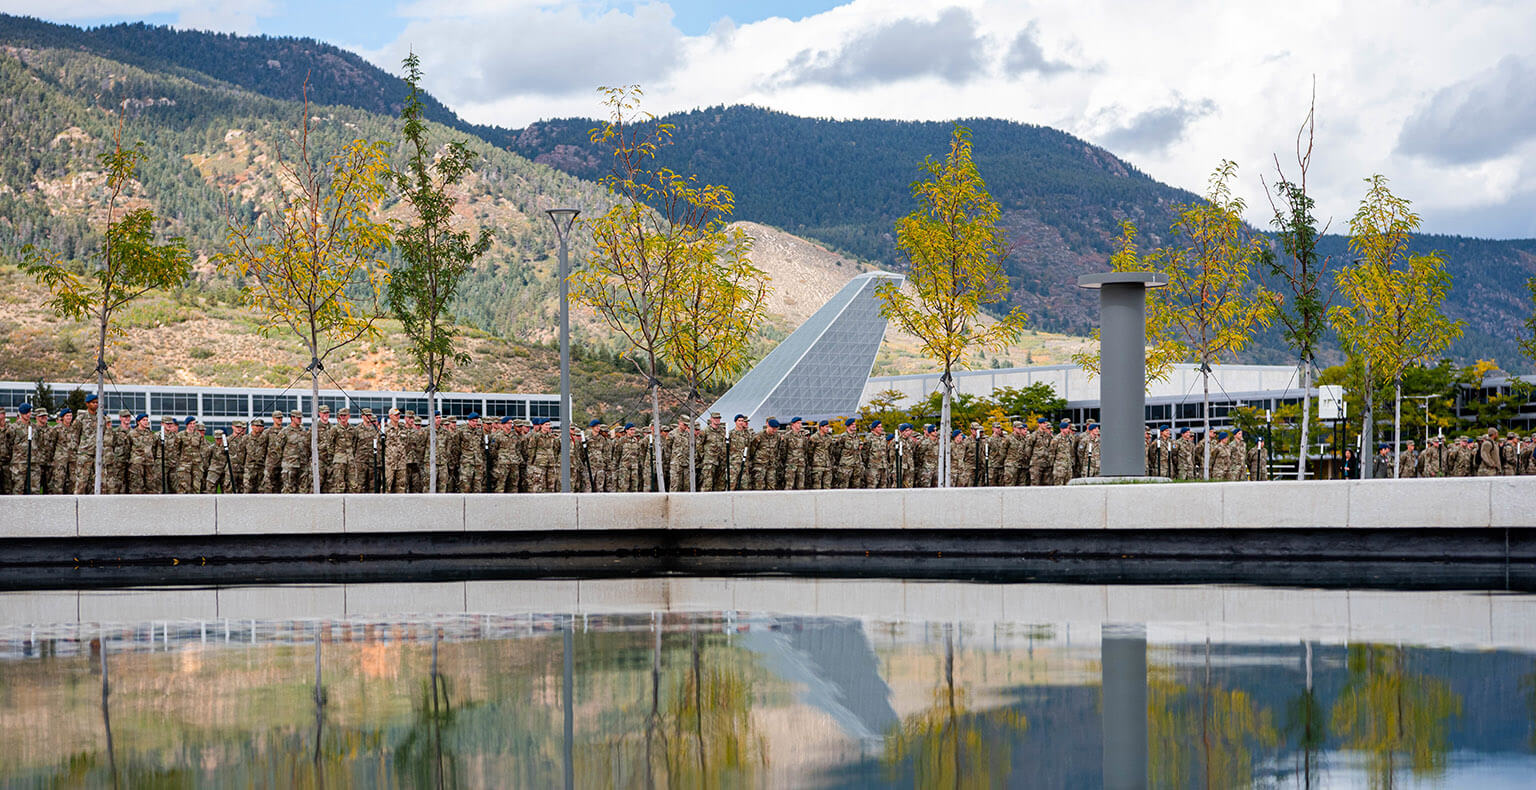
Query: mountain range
[[840, 183]]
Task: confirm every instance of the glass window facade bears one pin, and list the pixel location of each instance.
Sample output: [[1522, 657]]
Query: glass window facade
[[264, 405], [175, 404], [544, 408], [225, 405], [458, 407], [506, 407]]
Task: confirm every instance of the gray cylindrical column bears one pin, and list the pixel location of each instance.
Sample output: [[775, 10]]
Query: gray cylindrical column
[[1123, 667], [1122, 369]]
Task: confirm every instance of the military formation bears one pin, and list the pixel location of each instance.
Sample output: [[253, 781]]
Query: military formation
[[55, 454]]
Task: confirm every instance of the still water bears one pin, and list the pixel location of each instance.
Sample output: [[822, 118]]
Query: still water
[[781, 683]]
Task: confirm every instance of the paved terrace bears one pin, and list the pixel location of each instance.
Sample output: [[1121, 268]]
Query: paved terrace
[[1468, 532]]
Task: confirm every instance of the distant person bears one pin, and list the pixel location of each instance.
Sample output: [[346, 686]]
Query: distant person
[[1351, 465], [1381, 469]]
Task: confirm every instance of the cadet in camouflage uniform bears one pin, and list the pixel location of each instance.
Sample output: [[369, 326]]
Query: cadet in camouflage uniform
[[1237, 457], [1041, 458], [1015, 459], [768, 458], [447, 447], [296, 456], [1091, 451], [876, 456], [82, 473], [368, 462], [1432, 460], [995, 453], [417, 458], [338, 453], [599, 449], [5, 453], [713, 454], [167, 453], [507, 475], [66, 436], [397, 454], [628, 464], [472, 452], [850, 456], [927, 457], [738, 455], [143, 468], [272, 472], [184, 459], [540, 464], [959, 459], [819, 447], [796, 453], [257, 446], [23, 442], [1063, 454], [42, 455], [222, 476], [1258, 460]]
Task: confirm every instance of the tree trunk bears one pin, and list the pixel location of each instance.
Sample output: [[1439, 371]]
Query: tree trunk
[[431, 438], [944, 438], [1397, 427], [693, 443], [1368, 422], [661, 480], [1205, 414], [314, 422], [101, 399], [1306, 413]]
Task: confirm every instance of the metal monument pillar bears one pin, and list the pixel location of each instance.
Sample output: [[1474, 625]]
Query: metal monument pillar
[[1123, 668], [563, 218], [1122, 369]]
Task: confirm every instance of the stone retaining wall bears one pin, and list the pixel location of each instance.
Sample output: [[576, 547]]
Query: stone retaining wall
[[1453, 502]]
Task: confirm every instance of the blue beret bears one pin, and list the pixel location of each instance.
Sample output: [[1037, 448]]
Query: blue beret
[[954, 433], [628, 425], [540, 420], [1221, 434], [141, 416], [90, 398], [474, 415], [1066, 423], [850, 420], [189, 420], [1090, 426], [1042, 421], [928, 426], [890, 437], [876, 422], [1381, 447], [505, 420], [66, 410], [1166, 428], [25, 408], [772, 423], [796, 419], [594, 423], [1183, 430], [819, 424], [904, 426], [733, 419]]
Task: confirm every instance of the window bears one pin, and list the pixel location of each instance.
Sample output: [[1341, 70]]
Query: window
[[1159, 411], [1189, 411], [226, 405], [176, 404], [495, 407], [264, 405], [458, 407], [11, 398], [380, 406], [544, 408], [418, 405]]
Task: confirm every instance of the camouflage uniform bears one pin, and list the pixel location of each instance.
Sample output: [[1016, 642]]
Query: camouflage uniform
[[507, 474], [851, 453], [42, 455], [82, 476], [768, 459], [143, 469], [738, 458], [1432, 460], [23, 441], [272, 474], [257, 445], [190, 466], [599, 450], [339, 451], [876, 458], [296, 458], [399, 443], [796, 458], [1063, 457], [368, 456], [66, 439], [997, 457]]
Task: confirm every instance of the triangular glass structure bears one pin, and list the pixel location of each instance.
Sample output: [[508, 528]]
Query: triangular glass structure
[[819, 371]]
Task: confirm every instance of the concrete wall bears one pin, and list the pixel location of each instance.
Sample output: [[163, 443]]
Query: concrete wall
[[1459, 502], [1174, 614]]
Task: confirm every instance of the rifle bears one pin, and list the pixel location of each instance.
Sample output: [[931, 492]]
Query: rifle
[[376, 463], [229, 468], [26, 487], [736, 484], [165, 481], [586, 461], [900, 454], [43, 488]]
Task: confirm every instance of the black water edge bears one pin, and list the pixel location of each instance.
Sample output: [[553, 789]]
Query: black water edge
[[1402, 558]]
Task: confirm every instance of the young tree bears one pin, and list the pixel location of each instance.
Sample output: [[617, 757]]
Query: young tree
[[1393, 319], [1211, 302], [311, 263], [1163, 347], [649, 244], [954, 249], [132, 264], [718, 305], [434, 257], [1305, 312]]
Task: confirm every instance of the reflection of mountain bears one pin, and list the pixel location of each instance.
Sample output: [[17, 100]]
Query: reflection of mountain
[[832, 661]]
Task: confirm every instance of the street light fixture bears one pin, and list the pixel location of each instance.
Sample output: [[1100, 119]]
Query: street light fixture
[[563, 219]]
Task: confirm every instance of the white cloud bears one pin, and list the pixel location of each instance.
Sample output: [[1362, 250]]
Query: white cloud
[[223, 16], [1174, 85]]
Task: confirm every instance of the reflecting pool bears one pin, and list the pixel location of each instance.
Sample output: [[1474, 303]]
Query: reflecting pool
[[754, 682]]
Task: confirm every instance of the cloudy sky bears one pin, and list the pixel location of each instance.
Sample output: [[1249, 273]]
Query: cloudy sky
[[1440, 97]]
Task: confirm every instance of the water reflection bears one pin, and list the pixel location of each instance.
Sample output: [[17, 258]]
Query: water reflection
[[650, 691]]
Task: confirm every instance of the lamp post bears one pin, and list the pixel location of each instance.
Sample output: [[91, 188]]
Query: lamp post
[[563, 218]]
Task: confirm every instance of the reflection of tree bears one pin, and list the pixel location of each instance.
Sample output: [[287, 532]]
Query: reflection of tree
[[1304, 724], [1205, 737], [695, 729], [422, 761], [947, 744], [1528, 681], [1387, 711]]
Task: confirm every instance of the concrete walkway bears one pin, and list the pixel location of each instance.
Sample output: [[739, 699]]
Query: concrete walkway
[[1488, 502]]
